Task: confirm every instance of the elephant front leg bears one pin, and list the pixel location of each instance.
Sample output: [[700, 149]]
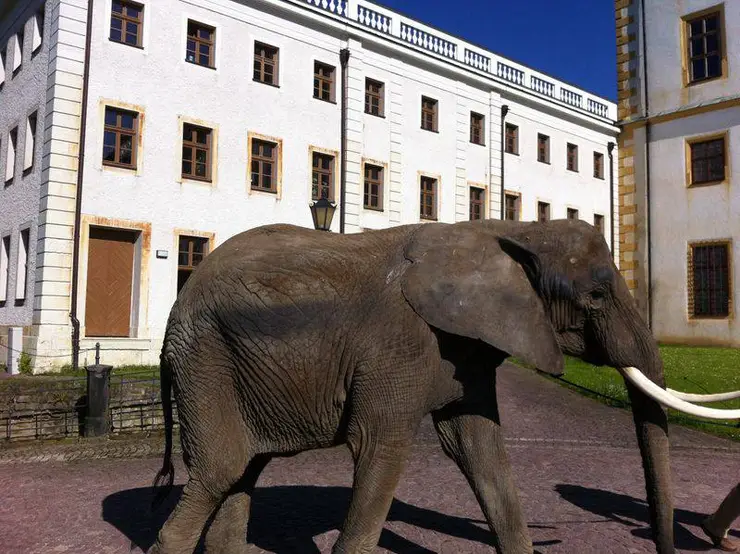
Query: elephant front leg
[[377, 470], [476, 444]]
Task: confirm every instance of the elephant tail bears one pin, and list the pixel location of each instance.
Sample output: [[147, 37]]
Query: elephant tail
[[166, 476]]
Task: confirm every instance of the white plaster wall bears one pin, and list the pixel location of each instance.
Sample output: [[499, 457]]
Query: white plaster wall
[[680, 215], [157, 82], [664, 54], [20, 96]]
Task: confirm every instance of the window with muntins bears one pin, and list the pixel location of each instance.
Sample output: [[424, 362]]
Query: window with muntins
[[201, 45], [511, 207], [707, 161], [599, 223], [512, 139], [120, 138], [572, 214], [322, 177], [429, 109], [374, 97], [572, 163], [543, 148], [265, 64], [598, 165], [428, 205], [264, 164], [710, 280], [127, 23], [477, 203], [373, 187], [704, 42], [543, 212], [196, 152], [191, 251], [323, 81], [477, 124]]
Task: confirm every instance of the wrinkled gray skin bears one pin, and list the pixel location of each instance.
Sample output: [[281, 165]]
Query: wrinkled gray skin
[[287, 339]]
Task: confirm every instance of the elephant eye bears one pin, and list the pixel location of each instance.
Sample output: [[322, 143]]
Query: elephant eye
[[597, 297]]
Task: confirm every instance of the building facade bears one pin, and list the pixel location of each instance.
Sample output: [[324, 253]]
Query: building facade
[[200, 120], [679, 161]]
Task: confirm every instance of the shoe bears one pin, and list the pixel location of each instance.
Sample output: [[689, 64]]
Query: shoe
[[723, 543]]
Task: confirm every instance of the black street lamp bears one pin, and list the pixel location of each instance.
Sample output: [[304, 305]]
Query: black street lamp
[[322, 212]]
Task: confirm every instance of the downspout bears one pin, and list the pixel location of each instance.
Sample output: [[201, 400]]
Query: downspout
[[647, 171], [78, 200], [504, 111], [610, 149], [344, 59]]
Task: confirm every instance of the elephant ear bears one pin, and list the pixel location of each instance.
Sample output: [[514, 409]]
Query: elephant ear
[[462, 282]]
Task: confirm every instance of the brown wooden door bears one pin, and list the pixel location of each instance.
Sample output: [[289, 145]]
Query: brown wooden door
[[110, 268]]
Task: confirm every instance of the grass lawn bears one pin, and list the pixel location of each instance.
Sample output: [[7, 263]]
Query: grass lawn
[[687, 369]]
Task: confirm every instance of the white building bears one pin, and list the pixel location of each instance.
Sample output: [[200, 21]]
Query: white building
[[679, 105], [206, 118]]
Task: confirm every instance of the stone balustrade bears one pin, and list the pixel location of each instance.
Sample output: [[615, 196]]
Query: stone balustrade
[[422, 37]]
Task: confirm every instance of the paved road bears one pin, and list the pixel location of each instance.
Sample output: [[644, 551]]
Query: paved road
[[575, 461]]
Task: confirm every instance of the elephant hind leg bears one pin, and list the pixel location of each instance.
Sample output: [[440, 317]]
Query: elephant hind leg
[[228, 531]]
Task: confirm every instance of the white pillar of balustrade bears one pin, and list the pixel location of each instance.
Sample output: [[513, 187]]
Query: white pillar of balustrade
[[351, 7], [396, 26]]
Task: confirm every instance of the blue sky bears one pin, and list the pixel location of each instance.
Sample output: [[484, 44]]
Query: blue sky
[[576, 45]]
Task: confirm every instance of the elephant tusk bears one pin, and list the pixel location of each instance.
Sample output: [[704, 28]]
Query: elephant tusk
[[639, 380], [720, 397]]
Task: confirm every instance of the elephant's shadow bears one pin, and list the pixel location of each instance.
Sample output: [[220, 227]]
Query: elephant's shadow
[[285, 519]]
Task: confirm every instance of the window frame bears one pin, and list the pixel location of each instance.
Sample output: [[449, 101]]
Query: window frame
[[511, 139], [477, 123], [691, 281], [126, 18], [569, 212], [704, 139], [330, 172], [211, 43], [263, 60], [686, 57], [547, 205], [600, 166], [434, 193], [600, 226], [546, 158], [380, 96], [480, 202], [367, 182], [118, 131], [432, 112], [261, 159], [205, 240], [517, 207], [321, 78], [568, 146], [194, 147]]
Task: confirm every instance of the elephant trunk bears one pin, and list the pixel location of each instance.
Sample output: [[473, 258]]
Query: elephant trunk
[[651, 426]]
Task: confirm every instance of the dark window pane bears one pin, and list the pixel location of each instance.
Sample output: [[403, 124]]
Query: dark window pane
[[115, 35], [266, 181], [110, 117], [267, 168], [187, 133], [116, 24], [204, 59], [117, 7], [187, 154], [200, 156], [696, 27], [109, 153], [197, 258], [127, 120], [132, 39], [205, 49], [712, 43], [200, 170], [187, 167], [714, 65], [125, 156], [131, 27], [267, 150], [109, 139], [697, 69], [711, 23], [697, 47], [133, 12]]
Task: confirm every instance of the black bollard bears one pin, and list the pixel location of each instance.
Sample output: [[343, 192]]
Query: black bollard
[[98, 400]]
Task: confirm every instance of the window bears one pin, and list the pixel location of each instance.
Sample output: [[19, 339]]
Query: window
[[374, 97], [511, 207], [704, 43], [38, 31], [10, 160], [543, 212], [709, 280], [4, 269], [265, 64], [572, 214], [428, 206], [21, 271], [190, 252], [18, 51], [30, 146], [598, 165], [477, 125], [196, 152], [120, 138], [572, 157], [322, 177], [429, 109], [599, 223], [373, 187], [477, 203], [201, 45], [127, 24], [323, 81], [264, 163], [512, 139], [543, 148], [707, 161]]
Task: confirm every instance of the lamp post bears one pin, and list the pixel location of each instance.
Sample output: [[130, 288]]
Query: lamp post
[[322, 212]]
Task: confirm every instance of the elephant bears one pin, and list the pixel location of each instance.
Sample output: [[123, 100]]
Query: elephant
[[287, 339]]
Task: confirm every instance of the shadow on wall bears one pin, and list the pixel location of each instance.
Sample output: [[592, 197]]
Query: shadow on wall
[[286, 519], [633, 512]]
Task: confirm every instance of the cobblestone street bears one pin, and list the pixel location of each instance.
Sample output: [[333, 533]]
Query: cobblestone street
[[575, 461]]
